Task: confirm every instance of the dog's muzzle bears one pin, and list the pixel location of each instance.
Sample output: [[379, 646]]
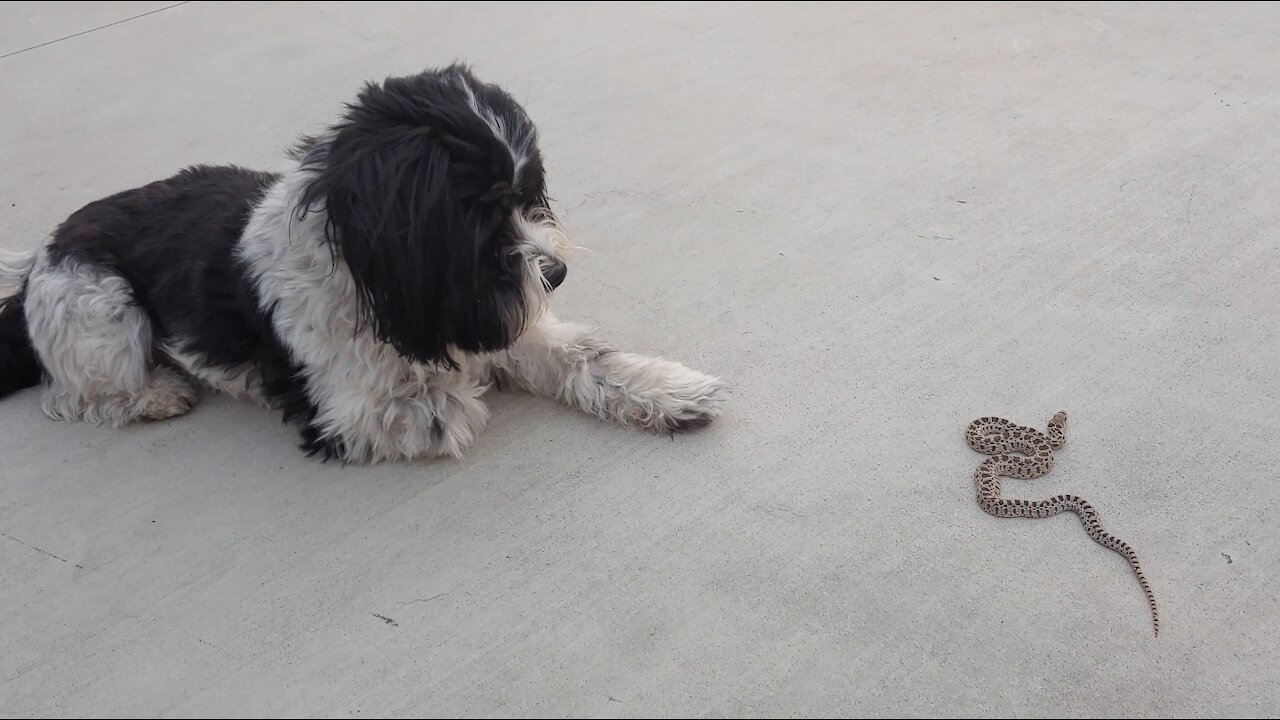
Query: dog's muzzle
[[553, 270]]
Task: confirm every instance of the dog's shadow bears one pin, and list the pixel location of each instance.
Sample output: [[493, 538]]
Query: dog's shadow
[[224, 434]]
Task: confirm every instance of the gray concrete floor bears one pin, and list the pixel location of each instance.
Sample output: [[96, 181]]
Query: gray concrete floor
[[877, 222]]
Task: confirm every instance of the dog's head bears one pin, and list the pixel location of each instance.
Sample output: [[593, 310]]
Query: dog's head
[[436, 203]]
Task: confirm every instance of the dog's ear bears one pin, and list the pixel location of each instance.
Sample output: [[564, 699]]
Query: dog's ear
[[403, 182]]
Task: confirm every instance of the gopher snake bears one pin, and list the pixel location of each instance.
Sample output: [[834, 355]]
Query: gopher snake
[[998, 437]]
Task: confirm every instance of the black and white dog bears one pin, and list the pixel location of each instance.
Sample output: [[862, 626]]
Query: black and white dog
[[371, 293]]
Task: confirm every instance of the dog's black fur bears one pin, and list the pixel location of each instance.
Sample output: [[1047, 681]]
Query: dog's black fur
[[19, 367]]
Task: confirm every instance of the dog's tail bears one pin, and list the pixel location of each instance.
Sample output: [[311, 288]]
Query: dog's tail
[[14, 268], [19, 367]]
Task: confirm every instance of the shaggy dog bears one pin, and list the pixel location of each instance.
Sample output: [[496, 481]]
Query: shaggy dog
[[371, 293]]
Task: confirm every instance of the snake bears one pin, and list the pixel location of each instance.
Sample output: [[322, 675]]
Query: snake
[[1000, 438]]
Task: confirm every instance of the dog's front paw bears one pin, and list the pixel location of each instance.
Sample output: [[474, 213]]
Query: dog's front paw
[[695, 405], [669, 398]]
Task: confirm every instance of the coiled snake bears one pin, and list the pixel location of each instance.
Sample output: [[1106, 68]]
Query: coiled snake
[[998, 438]]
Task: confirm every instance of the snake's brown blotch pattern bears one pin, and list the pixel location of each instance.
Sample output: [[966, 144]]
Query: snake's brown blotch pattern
[[999, 438]]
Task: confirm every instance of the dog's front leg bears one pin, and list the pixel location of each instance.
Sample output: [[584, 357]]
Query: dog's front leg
[[426, 414], [567, 362]]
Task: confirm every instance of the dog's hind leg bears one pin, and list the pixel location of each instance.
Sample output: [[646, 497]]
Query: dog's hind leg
[[95, 345]]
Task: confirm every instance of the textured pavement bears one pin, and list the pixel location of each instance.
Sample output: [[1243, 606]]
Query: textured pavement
[[877, 222]]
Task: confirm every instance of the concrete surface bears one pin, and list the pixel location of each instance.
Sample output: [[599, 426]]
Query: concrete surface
[[878, 222]]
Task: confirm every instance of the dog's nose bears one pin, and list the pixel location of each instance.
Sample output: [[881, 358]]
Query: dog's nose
[[554, 272]]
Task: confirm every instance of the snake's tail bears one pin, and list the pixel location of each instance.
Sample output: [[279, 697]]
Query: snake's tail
[[1151, 597], [1132, 557], [1089, 516]]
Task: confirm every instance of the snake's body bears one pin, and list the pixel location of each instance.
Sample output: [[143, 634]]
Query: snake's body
[[999, 438]]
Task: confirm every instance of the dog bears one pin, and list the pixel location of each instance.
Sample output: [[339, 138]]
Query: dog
[[372, 292]]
